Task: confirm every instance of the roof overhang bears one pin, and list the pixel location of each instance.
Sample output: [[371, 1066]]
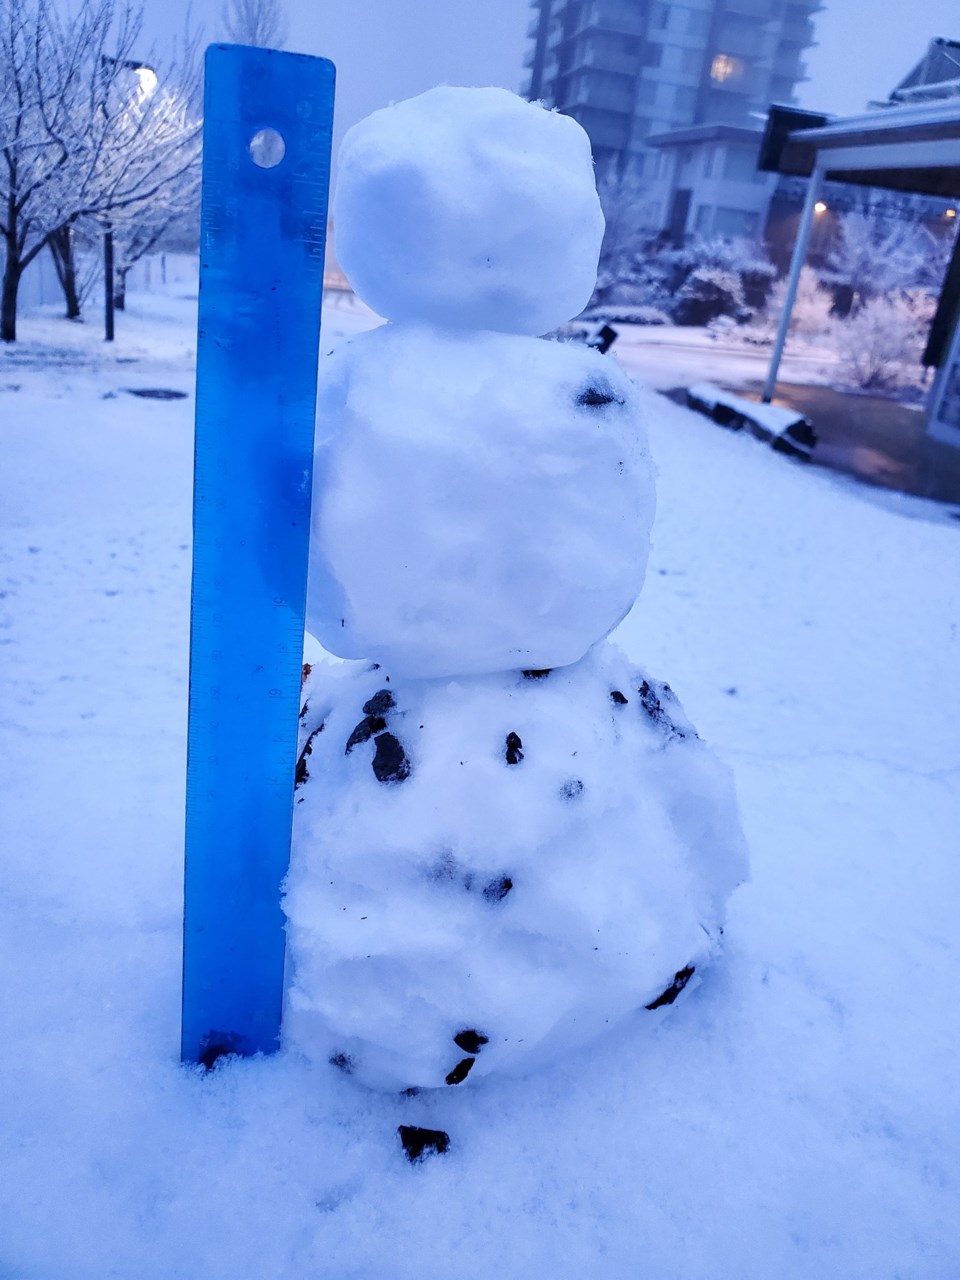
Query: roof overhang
[[701, 133], [914, 148]]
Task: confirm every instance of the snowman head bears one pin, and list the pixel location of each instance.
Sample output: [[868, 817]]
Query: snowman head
[[469, 209]]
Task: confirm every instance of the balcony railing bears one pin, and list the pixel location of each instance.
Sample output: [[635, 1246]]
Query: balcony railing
[[762, 9], [603, 95], [797, 31], [606, 16], [586, 53]]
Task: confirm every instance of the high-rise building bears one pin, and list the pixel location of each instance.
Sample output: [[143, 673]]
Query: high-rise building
[[666, 90]]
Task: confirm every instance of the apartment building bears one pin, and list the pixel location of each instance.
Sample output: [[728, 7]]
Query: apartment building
[[676, 93]]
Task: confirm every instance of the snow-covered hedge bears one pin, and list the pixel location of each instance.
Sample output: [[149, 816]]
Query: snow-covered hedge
[[625, 314]]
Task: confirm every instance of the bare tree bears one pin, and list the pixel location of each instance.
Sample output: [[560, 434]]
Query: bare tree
[[624, 196], [33, 157], [875, 255], [172, 220], [88, 132], [255, 22], [62, 246]]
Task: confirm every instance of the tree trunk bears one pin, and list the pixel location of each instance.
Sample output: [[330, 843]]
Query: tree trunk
[[120, 289], [8, 297], [61, 248]]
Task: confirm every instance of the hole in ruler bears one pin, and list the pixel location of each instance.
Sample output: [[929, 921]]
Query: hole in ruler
[[267, 148]]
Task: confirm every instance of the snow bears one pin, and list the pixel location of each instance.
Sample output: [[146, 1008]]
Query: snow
[[502, 233], [670, 356], [533, 858], [482, 502], [792, 1117]]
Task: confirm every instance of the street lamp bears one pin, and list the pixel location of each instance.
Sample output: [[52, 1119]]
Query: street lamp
[[144, 82]]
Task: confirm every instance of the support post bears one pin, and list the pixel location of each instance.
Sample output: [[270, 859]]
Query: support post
[[793, 278]]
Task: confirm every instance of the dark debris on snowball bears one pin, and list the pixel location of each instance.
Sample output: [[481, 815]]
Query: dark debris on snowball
[[460, 1071], [470, 1041], [597, 397], [674, 989], [390, 763], [364, 731], [380, 703]]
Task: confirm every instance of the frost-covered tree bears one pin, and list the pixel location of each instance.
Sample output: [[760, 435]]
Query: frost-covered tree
[[255, 22], [880, 347], [811, 308], [88, 132], [37, 91], [173, 222], [876, 255], [141, 156], [626, 238]]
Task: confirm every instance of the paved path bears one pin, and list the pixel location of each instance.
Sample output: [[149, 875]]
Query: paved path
[[880, 441]]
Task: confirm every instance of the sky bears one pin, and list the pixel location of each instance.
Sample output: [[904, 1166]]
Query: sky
[[386, 50]]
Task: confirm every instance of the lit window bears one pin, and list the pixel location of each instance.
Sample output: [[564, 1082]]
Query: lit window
[[950, 213], [726, 67]]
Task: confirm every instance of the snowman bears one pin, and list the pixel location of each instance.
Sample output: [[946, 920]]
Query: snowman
[[508, 837]]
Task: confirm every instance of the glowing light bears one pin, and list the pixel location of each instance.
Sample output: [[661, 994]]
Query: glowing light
[[726, 67], [950, 213], [146, 82], [820, 207]]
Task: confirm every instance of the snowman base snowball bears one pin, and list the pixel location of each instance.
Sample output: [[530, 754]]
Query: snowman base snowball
[[490, 872]]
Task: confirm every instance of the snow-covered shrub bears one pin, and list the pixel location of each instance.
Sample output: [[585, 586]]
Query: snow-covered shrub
[[880, 347], [709, 292], [617, 313], [639, 270], [739, 257], [810, 317], [721, 326]]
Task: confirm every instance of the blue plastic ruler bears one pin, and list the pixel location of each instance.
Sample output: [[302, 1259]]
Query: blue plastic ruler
[[266, 169]]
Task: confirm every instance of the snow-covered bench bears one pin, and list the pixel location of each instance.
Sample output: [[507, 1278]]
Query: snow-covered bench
[[784, 429]]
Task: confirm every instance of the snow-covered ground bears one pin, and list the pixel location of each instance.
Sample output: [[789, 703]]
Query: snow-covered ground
[[795, 1117], [668, 356]]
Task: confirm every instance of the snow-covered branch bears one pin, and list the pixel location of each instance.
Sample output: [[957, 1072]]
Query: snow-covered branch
[[89, 131]]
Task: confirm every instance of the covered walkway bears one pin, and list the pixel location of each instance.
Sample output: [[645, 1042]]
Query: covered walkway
[[912, 149]]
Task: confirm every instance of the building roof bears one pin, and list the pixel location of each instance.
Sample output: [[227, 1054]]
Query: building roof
[[697, 133], [906, 148], [936, 75]]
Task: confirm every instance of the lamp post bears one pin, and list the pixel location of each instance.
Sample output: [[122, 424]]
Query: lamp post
[[146, 83], [108, 284]]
